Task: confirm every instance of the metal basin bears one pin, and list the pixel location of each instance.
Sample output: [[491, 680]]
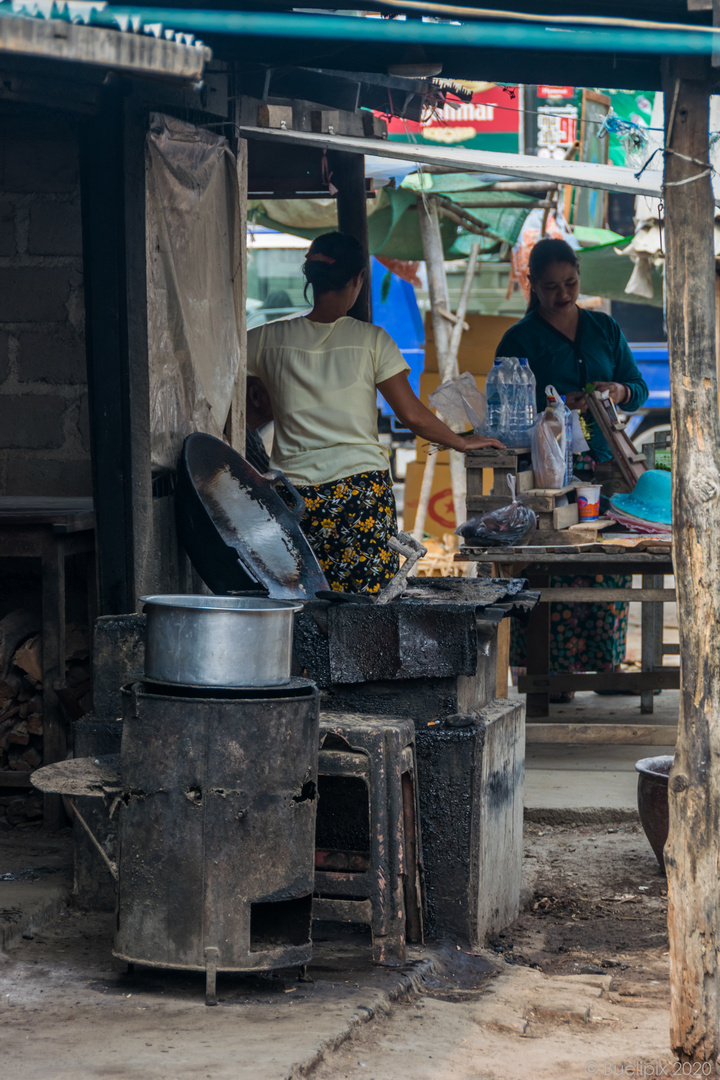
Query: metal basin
[[653, 800], [218, 640]]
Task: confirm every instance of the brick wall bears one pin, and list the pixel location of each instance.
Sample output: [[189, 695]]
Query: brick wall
[[44, 436]]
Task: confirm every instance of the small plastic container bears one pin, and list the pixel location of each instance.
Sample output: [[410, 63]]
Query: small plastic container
[[588, 498]]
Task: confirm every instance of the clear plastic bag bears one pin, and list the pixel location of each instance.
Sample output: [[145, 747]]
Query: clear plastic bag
[[459, 402], [506, 527], [548, 443]]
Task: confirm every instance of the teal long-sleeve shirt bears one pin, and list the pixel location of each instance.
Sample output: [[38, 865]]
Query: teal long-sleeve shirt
[[553, 358]]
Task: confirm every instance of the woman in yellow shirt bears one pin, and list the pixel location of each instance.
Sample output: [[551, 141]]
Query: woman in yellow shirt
[[321, 372]]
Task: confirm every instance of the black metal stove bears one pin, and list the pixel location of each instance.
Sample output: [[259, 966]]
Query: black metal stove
[[217, 827]]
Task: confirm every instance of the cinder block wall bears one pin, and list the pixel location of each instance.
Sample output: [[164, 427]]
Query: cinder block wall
[[44, 433]]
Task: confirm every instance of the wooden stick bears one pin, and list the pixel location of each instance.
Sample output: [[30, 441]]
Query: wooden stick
[[458, 477], [111, 865], [447, 346], [692, 853]]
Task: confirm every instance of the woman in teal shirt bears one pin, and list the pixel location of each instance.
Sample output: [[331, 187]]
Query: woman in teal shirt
[[568, 347]]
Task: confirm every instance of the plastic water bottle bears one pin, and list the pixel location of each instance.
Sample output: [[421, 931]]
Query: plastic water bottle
[[530, 395], [569, 462], [494, 394], [526, 404], [514, 389]]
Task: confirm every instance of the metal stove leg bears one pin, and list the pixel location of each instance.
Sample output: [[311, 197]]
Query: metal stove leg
[[211, 966]]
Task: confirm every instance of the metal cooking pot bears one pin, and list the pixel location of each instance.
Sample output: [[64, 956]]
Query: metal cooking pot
[[218, 640]]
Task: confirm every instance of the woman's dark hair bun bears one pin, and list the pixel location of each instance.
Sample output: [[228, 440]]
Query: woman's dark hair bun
[[544, 254], [332, 261]]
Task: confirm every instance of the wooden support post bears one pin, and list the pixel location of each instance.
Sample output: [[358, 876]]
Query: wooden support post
[[348, 176], [114, 264], [447, 344], [692, 853], [236, 425]]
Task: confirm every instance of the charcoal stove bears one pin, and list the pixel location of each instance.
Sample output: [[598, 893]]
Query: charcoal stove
[[215, 791], [430, 655]]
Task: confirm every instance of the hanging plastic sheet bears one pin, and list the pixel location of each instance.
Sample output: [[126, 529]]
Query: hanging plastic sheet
[[195, 267]]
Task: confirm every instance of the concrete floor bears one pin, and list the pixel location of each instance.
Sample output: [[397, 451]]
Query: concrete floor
[[593, 782]]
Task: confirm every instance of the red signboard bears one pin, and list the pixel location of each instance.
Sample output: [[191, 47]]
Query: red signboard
[[491, 112], [555, 91]]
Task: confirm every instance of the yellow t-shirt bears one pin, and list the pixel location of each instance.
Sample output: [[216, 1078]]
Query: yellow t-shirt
[[321, 378]]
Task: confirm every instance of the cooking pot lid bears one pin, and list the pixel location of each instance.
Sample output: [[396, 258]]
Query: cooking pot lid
[[237, 530]]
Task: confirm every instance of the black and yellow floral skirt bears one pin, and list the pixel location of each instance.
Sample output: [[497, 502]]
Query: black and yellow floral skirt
[[348, 524]]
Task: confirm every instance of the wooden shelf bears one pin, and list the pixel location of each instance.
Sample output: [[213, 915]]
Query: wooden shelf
[[14, 778]]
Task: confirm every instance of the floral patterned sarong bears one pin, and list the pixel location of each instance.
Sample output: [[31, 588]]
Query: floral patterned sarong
[[348, 524]]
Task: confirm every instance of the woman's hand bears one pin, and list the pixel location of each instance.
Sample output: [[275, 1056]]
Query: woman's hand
[[576, 400], [482, 442], [618, 392]]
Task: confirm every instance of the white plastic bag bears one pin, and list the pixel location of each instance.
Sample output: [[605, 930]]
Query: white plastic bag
[[548, 443], [579, 442], [501, 528]]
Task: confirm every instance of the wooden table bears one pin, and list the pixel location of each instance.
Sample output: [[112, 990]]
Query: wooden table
[[538, 683], [50, 529]]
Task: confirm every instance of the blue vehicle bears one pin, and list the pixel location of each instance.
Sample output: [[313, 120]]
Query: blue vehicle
[[398, 313], [653, 362]]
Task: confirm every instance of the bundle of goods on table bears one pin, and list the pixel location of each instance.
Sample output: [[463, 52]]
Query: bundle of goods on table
[[534, 495]]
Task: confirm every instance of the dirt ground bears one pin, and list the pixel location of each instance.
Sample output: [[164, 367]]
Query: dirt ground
[[578, 986]]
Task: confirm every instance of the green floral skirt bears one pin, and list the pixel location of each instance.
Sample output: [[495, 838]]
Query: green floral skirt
[[348, 524], [583, 637]]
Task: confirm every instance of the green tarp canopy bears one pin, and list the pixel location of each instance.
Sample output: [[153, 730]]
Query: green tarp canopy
[[605, 273], [393, 229]]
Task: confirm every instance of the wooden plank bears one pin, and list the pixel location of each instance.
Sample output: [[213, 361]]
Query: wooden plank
[[608, 596], [525, 481], [494, 501], [600, 561], [10, 778], [564, 516], [495, 459], [632, 682], [577, 734], [553, 491], [503, 659], [474, 488], [596, 524]]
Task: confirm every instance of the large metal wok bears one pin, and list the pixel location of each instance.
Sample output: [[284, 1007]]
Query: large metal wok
[[241, 536]]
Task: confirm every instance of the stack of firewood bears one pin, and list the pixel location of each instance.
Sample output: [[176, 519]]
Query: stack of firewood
[[21, 702]]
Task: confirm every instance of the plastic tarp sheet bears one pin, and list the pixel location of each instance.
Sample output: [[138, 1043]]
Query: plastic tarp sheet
[[393, 229], [194, 265]]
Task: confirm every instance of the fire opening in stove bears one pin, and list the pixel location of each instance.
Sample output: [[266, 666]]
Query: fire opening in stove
[[277, 923]]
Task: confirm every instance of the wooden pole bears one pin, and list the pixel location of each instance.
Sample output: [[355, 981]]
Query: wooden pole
[[348, 176], [447, 335], [457, 460], [235, 428], [692, 853], [114, 264]]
